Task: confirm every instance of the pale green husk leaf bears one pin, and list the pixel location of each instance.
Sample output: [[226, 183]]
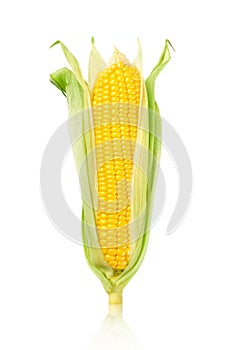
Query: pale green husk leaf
[[153, 145], [96, 65], [75, 89]]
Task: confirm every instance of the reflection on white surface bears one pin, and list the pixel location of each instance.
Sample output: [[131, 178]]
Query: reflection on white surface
[[114, 334]]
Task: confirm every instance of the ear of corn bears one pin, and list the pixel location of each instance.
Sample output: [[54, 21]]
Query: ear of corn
[[114, 260]]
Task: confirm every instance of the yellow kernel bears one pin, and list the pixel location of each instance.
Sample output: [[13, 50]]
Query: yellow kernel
[[127, 250], [112, 242], [121, 265], [128, 73], [120, 78], [112, 75], [108, 257], [120, 64], [123, 94], [102, 222], [120, 258], [132, 100], [102, 242], [110, 198], [128, 79], [112, 263], [118, 71], [114, 66], [122, 240], [99, 83], [114, 81], [115, 98], [112, 222], [112, 251], [116, 134], [121, 84], [109, 166], [121, 252], [123, 91], [115, 93]]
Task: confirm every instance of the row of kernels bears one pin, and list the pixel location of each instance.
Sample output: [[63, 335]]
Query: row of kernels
[[118, 219], [112, 240], [117, 258]]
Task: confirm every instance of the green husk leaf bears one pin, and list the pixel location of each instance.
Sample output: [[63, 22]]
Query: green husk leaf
[[155, 124], [150, 81], [138, 60], [96, 65], [154, 147], [58, 78], [73, 62], [67, 83], [73, 86], [139, 188]]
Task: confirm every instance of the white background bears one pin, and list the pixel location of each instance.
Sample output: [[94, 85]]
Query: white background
[[182, 295]]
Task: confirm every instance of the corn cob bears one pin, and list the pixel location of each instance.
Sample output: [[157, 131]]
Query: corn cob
[[116, 85], [119, 100]]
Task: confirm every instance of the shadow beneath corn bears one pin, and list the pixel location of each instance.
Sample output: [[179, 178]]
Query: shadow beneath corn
[[114, 334]]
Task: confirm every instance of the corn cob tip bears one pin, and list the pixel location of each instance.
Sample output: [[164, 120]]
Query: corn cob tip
[[118, 57]]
